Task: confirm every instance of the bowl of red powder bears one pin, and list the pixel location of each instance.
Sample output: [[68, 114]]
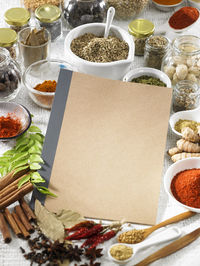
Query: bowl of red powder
[[184, 18], [15, 119], [182, 183], [40, 80]]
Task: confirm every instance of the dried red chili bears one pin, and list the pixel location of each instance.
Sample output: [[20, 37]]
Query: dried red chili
[[185, 187], [102, 238], [10, 126], [184, 17], [85, 232], [87, 224]]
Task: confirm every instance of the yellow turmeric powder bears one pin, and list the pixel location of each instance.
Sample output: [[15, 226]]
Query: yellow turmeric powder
[[46, 86]]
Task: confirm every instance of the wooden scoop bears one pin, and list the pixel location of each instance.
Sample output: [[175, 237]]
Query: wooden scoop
[[171, 248], [140, 235]]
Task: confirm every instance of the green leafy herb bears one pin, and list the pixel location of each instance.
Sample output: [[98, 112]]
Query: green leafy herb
[[24, 180], [45, 190]]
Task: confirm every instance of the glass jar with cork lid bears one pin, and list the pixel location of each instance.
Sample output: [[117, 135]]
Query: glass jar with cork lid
[[17, 18], [49, 17], [140, 29], [8, 40]]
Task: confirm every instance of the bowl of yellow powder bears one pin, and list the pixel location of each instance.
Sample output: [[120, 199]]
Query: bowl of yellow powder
[[120, 253]]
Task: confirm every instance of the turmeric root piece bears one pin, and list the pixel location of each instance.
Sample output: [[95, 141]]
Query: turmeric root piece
[[190, 135], [188, 146], [184, 155], [173, 151]]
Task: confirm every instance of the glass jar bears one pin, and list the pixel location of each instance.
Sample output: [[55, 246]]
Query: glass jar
[[183, 61], [156, 47], [140, 29], [17, 18], [31, 5], [10, 76], [186, 96], [8, 40], [127, 9], [78, 12], [49, 17]]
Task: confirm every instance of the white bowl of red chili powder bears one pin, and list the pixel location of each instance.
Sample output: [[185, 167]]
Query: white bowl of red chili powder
[[182, 183], [15, 119]]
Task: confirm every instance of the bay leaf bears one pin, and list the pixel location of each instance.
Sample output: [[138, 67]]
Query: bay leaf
[[52, 227], [69, 217]]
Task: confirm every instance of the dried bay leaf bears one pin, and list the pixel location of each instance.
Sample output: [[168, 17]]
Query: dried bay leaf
[[69, 217], [52, 227]]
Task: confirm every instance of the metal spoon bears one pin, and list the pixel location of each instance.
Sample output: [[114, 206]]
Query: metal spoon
[[109, 19], [140, 235]]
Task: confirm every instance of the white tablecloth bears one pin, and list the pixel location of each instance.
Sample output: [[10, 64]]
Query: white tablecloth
[[10, 253]]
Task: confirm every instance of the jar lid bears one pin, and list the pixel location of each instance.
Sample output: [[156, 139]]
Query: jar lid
[[7, 37], [141, 28], [17, 16], [47, 13]]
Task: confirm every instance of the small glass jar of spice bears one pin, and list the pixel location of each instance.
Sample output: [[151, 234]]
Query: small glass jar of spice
[[8, 40], [140, 29], [49, 17], [17, 18], [156, 47]]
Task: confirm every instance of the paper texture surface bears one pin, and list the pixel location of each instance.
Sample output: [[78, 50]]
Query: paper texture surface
[[109, 158]]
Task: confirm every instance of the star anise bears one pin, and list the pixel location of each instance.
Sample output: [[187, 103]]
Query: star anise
[[91, 263], [74, 253], [93, 253]]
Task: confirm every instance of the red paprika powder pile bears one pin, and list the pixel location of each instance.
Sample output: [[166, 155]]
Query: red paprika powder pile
[[184, 17], [10, 126], [185, 187]]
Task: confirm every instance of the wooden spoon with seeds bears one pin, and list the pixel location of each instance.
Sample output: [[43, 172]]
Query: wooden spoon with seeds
[[136, 236]]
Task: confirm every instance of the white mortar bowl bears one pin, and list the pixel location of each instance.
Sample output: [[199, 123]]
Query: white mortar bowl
[[112, 70]]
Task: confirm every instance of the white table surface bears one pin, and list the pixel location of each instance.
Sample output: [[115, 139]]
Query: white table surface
[[190, 255]]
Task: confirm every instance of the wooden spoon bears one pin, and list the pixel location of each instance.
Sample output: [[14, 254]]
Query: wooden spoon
[[171, 248], [140, 235]]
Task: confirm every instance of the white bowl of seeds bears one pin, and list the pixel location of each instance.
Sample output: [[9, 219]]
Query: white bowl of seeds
[[110, 57]]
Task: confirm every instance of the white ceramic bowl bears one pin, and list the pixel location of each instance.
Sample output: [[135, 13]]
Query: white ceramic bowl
[[194, 4], [137, 72], [184, 115], [166, 7], [175, 168], [112, 70]]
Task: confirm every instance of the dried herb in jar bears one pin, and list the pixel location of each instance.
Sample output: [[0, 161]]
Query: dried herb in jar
[[156, 48], [149, 80], [99, 49]]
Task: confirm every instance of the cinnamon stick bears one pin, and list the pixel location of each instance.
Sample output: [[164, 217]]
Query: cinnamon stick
[[4, 229], [27, 210], [25, 189], [20, 225], [5, 190], [23, 218], [10, 177], [12, 223], [8, 191]]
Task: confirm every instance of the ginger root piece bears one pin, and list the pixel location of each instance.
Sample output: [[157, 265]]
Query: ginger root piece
[[190, 135], [188, 146], [173, 151], [183, 155]]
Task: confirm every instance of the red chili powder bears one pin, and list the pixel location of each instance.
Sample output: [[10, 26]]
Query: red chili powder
[[184, 17], [185, 187], [10, 126]]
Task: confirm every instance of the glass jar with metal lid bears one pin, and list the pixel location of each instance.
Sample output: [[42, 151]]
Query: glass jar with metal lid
[[17, 18], [141, 29], [8, 40], [49, 17]]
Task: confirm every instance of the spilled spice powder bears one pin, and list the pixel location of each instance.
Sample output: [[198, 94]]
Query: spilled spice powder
[[10, 126]]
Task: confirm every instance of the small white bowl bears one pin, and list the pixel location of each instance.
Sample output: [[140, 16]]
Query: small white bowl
[[184, 115], [175, 168], [112, 70], [194, 4], [166, 7], [137, 72]]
